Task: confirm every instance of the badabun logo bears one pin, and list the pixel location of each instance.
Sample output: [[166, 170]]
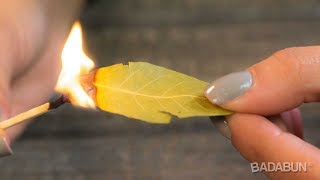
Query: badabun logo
[[278, 167]]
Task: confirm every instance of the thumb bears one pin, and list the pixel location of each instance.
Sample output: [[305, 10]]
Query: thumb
[[260, 141], [281, 82]]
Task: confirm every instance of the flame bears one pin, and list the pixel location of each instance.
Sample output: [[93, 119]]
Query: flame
[[74, 64]]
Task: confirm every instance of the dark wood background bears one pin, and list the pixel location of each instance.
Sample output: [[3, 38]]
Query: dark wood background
[[203, 38]]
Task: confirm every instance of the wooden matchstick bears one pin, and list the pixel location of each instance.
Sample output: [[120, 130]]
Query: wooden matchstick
[[37, 111]]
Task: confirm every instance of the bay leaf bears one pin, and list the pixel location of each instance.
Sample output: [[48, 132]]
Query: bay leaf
[[151, 93]]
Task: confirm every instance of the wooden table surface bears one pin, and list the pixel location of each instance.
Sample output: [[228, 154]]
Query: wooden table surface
[[203, 38]]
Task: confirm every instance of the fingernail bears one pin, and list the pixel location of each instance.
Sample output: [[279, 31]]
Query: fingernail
[[220, 123], [228, 87], [5, 149]]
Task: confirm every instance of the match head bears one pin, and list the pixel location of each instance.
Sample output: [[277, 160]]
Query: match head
[[5, 149]]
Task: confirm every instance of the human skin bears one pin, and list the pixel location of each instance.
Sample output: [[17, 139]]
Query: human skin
[[280, 84], [32, 35]]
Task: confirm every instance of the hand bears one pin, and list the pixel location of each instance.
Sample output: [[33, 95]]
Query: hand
[[32, 35], [277, 85]]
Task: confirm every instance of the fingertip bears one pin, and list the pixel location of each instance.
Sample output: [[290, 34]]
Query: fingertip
[[277, 84], [228, 87]]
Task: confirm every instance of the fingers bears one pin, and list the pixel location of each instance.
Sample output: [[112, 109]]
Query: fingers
[[4, 97], [37, 84], [26, 73], [8, 55], [290, 121], [293, 121], [280, 83], [259, 140], [22, 35], [22, 32]]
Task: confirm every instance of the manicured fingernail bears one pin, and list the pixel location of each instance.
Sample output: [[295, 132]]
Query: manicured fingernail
[[5, 149], [220, 123], [229, 87]]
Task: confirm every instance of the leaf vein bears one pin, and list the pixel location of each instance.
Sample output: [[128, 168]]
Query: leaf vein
[[201, 106], [147, 84], [161, 105], [135, 99], [177, 102], [168, 90], [132, 74], [146, 95]]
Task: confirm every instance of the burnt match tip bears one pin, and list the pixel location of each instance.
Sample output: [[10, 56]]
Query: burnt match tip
[[60, 101]]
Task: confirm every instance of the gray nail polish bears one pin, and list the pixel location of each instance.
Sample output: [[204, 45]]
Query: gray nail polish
[[220, 123], [228, 87]]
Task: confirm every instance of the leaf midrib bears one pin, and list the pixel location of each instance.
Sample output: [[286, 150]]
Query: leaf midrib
[[146, 95]]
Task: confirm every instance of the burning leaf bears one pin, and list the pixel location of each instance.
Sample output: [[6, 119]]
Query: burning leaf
[[151, 93]]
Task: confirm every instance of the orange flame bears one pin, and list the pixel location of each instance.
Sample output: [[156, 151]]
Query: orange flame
[[74, 64]]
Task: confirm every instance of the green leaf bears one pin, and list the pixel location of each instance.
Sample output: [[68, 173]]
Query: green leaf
[[151, 93]]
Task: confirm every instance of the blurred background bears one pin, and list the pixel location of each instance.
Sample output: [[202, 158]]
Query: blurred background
[[202, 38]]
